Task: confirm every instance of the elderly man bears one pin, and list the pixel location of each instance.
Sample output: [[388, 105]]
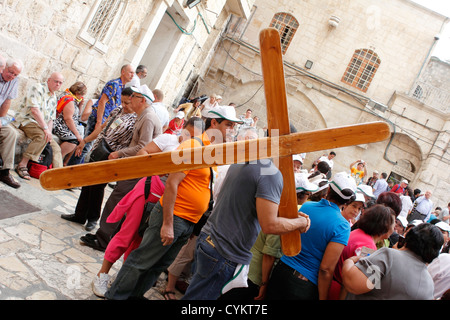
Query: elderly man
[[371, 181], [422, 208], [141, 73], [110, 99], [35, 118], [8, 90]]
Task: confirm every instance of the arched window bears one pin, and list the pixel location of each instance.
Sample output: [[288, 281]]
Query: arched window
[[287, 25], [361, 69], [101, 23]]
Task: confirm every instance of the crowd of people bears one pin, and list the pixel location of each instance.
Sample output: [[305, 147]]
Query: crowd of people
[[216, 231]]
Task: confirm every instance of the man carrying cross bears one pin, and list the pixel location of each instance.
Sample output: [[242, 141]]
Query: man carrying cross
[[185, 199], [249, 198]]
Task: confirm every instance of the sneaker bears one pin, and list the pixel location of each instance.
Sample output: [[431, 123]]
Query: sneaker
[[100, 284]]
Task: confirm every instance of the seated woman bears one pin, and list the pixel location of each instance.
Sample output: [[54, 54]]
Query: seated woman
[[395, 274], [66, 126]]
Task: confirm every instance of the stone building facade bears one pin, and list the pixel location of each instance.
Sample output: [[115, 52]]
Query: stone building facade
[[349, 62], [89, 40]]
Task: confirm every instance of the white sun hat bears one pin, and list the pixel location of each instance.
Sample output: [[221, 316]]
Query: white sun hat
[[342, 181], [302, 183], [145, 91], [224, 112]]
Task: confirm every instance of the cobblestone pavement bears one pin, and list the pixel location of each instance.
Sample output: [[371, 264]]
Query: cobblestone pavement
[[41, 257]]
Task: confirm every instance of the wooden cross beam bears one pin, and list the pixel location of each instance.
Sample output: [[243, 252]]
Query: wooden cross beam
[[279, 148]]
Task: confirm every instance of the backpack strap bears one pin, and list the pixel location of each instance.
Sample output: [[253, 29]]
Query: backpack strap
[[148, 183], [210, 170]]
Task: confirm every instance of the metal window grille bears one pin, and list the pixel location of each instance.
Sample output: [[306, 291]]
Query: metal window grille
[[418, 93], [287, 25], [361, 69], [103, 19]]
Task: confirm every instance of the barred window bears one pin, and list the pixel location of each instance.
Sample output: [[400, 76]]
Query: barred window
[[287, 25], [361, 69], [103, 19], [101, 23], [418, 93]]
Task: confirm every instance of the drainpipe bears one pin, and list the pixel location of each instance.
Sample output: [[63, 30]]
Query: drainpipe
[[248, 22], [436, 39]]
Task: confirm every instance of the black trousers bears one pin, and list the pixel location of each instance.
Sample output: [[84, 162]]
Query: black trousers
[[284, 284], [89, 203]]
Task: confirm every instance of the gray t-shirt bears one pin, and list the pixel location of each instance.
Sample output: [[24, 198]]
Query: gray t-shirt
[[233, 224], [397, 275]]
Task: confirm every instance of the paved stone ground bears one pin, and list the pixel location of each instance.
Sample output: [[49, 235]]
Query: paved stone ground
[[41, 257]]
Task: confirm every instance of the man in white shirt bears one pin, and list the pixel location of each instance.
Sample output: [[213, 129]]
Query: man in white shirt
[[440, 272], [329, 159], [141, 73], [160, 109], [330, 162], [422, 208], [380, 186]]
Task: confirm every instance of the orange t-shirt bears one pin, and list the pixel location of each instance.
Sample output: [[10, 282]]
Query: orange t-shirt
[[193, 191]]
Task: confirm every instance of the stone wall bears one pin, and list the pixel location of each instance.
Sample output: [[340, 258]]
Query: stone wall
[[45, 36]]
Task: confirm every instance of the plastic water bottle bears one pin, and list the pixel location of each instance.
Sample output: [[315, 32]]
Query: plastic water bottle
[[6, 120]]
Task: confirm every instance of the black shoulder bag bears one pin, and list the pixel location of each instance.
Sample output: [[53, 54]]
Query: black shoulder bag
[[148, 207], [103, 149]]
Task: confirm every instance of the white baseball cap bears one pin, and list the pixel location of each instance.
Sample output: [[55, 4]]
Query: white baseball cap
[[360, 197], [302, 183], [297, 157], [180, 115], [342, 181], [224, 112], [443, 226], [367, 190], [145, 91]]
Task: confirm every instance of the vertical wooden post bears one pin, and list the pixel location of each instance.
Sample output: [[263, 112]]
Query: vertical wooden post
[[278, 119]]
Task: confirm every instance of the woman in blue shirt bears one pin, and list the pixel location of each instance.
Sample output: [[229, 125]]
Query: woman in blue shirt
[[308, 275]]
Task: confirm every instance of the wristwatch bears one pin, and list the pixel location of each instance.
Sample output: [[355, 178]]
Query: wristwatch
[[45, 128]]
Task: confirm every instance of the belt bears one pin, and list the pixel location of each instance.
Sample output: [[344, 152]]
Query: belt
[[295, 273]]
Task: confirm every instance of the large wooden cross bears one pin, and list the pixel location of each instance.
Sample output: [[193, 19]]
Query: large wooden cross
[[278, 147]]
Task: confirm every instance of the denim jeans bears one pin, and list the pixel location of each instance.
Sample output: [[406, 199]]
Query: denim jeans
[[212, 272], [144, 265]]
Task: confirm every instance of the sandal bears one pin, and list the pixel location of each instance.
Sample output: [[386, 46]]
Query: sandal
[[23, 173], [167, 296]]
